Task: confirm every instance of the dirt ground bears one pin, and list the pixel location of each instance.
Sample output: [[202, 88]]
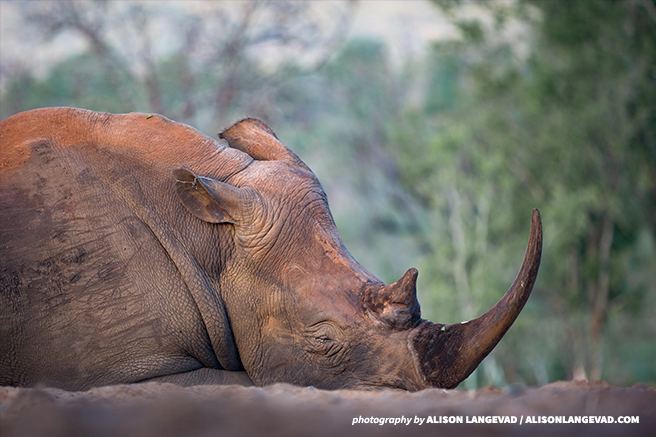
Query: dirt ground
[[162, 410]]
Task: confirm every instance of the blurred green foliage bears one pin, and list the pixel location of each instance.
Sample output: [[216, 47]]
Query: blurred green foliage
[[439, 162]]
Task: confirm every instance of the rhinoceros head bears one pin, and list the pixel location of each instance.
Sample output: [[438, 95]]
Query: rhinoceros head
[[301, 308]]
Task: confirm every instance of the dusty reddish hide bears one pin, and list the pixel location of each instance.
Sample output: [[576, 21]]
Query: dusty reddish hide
[[156, 409]]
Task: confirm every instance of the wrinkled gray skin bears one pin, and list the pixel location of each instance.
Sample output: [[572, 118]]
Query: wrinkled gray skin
[[133, 248]]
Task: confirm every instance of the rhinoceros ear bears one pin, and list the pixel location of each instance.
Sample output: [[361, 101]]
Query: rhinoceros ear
[[258, 140], [395, 304], [210, 200]]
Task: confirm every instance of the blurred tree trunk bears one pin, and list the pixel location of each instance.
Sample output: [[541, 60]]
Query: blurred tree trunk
[[459, 262], [599, 297]]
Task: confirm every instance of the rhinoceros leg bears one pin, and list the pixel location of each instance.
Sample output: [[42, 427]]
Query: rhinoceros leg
[[205, 376]]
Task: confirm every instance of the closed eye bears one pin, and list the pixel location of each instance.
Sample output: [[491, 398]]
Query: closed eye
[[324, 338]]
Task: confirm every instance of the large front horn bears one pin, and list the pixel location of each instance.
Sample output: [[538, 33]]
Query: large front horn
[[447, 354]]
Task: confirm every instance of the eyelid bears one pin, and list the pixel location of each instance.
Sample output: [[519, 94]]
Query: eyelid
[[325, 327], [324, 337]]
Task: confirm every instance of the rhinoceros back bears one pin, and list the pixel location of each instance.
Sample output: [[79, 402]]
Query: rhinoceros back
[[88, 294]]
